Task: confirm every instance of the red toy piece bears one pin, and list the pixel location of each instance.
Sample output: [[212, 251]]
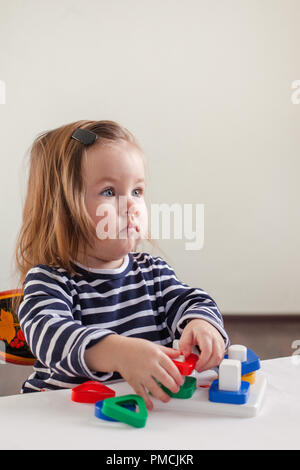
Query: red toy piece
[[91, 392], [187, 367]]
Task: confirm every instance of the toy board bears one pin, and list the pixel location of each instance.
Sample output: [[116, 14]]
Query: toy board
[[199, 402]]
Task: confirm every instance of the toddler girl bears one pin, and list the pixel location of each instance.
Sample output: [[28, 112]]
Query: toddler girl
[[94, 308]]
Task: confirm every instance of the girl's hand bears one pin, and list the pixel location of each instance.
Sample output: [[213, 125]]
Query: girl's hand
[[140, 362], [201, 333]]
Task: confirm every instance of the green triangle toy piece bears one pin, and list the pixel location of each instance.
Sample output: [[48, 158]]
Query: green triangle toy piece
[[113, 408], [186, 390]]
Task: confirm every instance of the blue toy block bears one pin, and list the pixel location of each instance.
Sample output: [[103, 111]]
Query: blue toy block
[[239, 397], [99, 414], [252, 363]]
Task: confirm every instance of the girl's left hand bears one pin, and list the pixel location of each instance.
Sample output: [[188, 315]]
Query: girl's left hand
[[211, 343]]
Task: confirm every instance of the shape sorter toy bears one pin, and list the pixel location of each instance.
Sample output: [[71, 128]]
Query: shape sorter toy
[[230, 388], [235, 388]]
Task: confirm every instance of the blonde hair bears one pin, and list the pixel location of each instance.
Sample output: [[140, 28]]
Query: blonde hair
[[55, 219]]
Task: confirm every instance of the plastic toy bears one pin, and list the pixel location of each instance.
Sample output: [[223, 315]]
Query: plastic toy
[[209, 398], [99, 414], [201, 392], [115, 408], [175, 345], [91, 392], [230, 375], [249, 377], [229, 388], [237, 397], [186, 366], [186, 390], [251, 364], [237, 351], [206, 377], [200, 404]]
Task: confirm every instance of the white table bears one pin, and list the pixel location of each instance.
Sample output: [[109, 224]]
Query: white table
[[50, 420]]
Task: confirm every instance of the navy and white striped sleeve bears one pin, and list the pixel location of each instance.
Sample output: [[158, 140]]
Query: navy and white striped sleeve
[[182, 302], [55, 338]]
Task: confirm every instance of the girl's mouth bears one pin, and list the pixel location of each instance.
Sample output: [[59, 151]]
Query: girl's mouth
[[131, 228]]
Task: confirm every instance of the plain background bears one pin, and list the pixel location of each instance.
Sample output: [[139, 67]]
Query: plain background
[[205, 86]]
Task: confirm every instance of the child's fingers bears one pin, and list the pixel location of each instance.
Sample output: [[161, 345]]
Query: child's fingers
[[157, 391], [140, 390], [171, 369], [168, 365], [217, 355], [173, 353], [185, 344], [212, 353], [206, 346], [167, 380]]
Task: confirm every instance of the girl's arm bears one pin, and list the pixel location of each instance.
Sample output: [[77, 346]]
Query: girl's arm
[[55, 337], [182, 303], [68, 348], [140, 362], [193, 316]]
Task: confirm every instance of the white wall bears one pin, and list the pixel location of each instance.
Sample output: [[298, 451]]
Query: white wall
[[206, 88]]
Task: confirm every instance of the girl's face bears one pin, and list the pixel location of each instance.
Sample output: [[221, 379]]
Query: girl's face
[[114, 178]]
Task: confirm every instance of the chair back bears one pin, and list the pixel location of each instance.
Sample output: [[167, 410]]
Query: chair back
[[13, 346]]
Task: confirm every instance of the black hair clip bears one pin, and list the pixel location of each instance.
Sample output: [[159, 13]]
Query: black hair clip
[[84, 136]]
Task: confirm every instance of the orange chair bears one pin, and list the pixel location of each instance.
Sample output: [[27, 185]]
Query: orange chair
[[13, 346]]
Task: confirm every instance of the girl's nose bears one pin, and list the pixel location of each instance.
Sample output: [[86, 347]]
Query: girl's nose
[[133, 212]]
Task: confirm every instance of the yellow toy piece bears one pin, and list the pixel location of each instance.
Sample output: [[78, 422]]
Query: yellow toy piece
[[249, 377]]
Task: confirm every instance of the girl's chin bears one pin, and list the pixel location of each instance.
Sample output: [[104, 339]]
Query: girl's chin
[[130, 235]]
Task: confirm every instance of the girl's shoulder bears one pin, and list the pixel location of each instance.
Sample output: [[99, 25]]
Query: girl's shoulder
[[147, 259], [48, 272]]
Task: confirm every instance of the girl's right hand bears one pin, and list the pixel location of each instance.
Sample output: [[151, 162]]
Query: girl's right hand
[[140, 362]]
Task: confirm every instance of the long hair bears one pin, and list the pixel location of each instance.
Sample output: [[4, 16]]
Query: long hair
[[55, 219]]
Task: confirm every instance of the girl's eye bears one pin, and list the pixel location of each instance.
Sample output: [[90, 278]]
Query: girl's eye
[[140, 191], [107, 192]]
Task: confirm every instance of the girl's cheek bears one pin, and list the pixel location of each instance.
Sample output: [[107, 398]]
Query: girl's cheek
[[106, 221], [104, 209], [143, 221]]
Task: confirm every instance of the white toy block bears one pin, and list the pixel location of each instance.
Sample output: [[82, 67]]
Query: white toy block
[[237, 352], [206, 377], [176, 346], [180, 358], [230, 375]]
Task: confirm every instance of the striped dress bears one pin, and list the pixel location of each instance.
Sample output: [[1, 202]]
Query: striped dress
[[62, 315]]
